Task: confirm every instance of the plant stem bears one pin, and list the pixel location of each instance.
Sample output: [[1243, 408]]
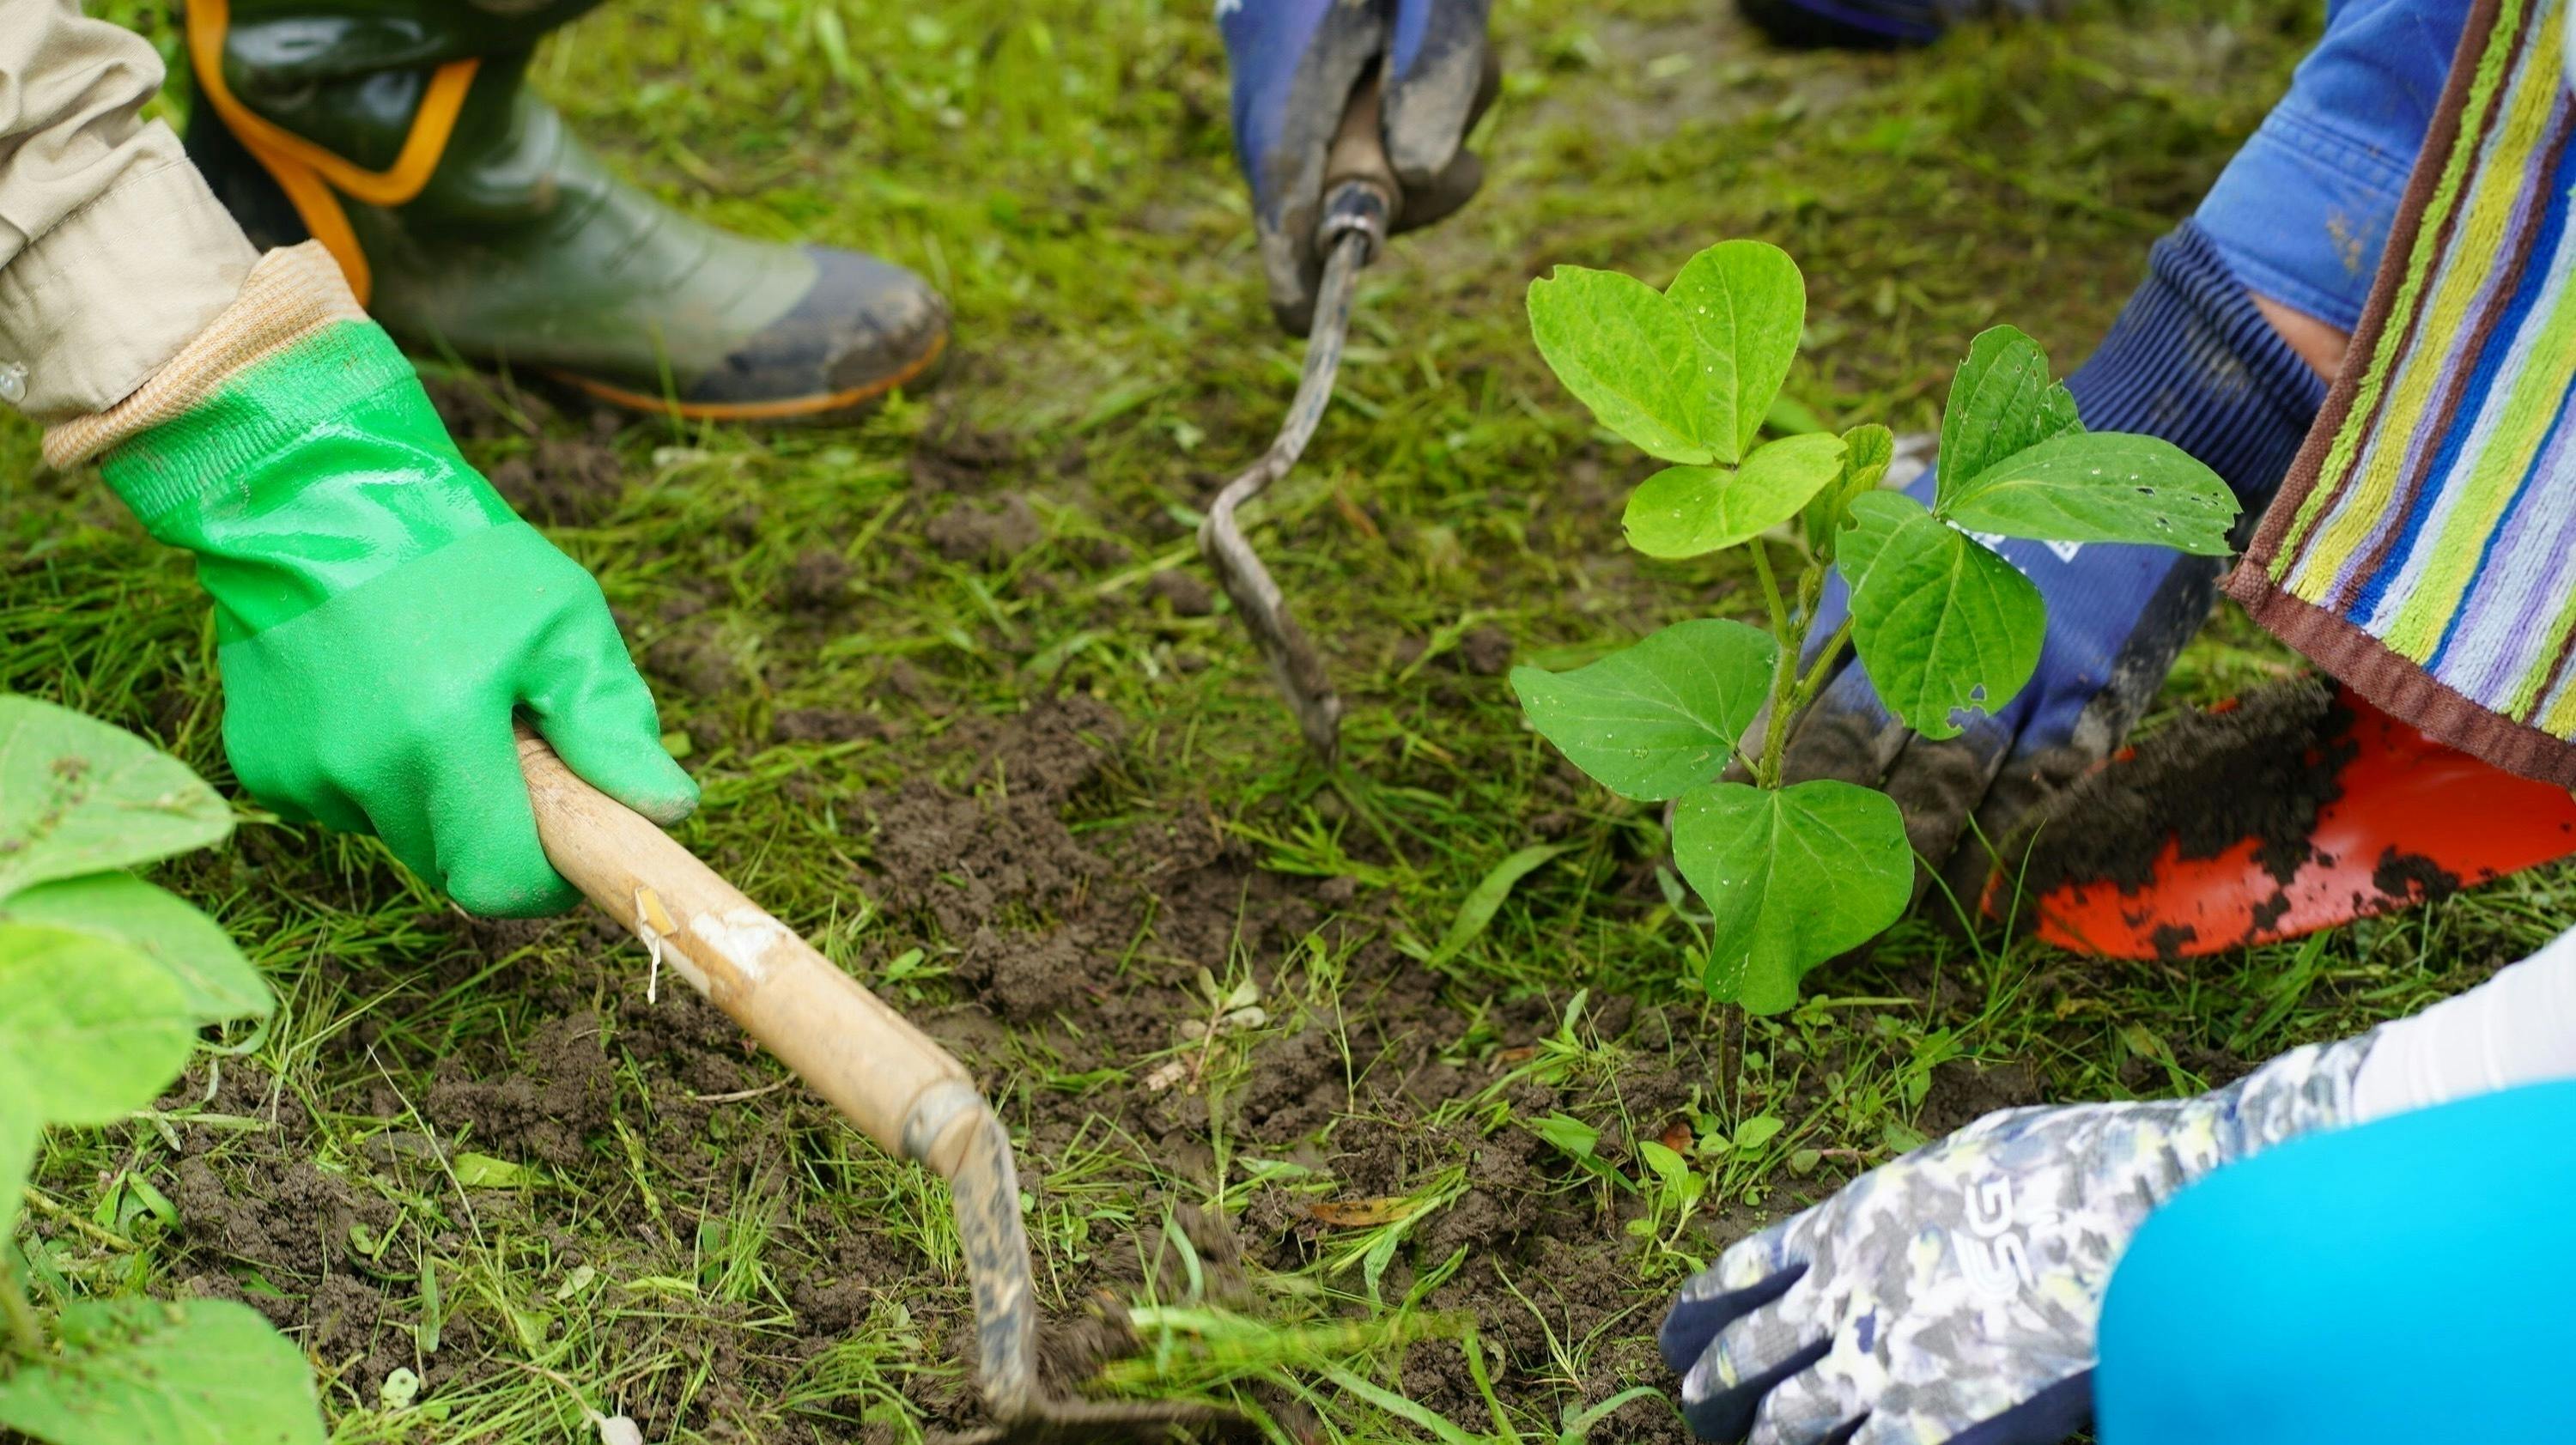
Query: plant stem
[[1787, 629], [1814, 681], [26, 1332], [1785, 709], [1771, 589]]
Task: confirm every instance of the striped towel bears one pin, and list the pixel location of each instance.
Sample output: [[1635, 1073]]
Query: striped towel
[[2423, 549]]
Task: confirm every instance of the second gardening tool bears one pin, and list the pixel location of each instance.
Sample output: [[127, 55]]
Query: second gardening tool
[[1359, 205], [884, 1075]]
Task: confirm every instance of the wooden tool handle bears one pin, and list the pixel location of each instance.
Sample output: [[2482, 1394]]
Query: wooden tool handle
[[888, 1077]]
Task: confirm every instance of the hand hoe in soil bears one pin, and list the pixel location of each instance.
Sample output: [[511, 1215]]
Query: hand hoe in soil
[[2296, 808], [884, 1075], [1359, 204]]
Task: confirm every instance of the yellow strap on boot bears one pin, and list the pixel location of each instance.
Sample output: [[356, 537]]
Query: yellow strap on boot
[[308, 173]]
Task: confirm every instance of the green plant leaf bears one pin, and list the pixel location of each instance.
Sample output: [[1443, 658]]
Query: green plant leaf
[[1759, 1130], [1567, 1133], [1942, 624], [1791, 878], [482, 1171], [1868, 450], [1486, 898], [1658, 718], [21, 1129], [1746, 303], [142, 1372], [1625, 352], [220, 983], [78, 796], [2001, 401], [1687, 511], [97, 1029], [1578, 1427], [2099, 487]]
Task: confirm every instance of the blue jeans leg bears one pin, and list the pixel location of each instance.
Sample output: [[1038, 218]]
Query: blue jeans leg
[[2304, 210]]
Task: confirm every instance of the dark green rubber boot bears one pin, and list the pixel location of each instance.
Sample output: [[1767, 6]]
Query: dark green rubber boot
[[402, 134]]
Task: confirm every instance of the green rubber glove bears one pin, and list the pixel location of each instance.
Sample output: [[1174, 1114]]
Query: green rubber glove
[[381, 614]]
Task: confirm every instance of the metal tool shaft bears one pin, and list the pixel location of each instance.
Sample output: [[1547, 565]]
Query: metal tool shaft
[[1355, 220]]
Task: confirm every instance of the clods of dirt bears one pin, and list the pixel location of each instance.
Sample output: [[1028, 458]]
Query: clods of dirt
[[546, 1109], [2208, 781], [969, 533], [556, 481], [817, 582], [1963, 1091], [562, 483], [964, 859], [1486, 651], [1185, 594], [827, 725], [953, 455], [2412, 876], [694, 662]]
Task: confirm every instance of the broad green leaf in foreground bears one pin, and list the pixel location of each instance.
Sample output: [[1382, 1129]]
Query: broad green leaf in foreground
[[1688, 511], [141, 1372], [1625, 352], [1486, 898], [220, 984], [1653, 720], [1868, 450], [78, 796], [2099, 487], [1791, 878], [1941, 623], [96, 1029], [2001, 401], [1746, 303]]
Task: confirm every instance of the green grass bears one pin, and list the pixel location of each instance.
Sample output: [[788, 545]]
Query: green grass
[[1061, 170]]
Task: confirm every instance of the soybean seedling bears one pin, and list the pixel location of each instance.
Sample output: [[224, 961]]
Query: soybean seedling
[[1795, 873]]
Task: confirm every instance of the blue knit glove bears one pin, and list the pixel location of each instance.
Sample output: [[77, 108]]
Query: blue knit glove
[[1296, 63], [2191, 361]]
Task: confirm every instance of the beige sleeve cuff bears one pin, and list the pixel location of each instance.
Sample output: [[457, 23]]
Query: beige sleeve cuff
[[104, 298], [289, 295]]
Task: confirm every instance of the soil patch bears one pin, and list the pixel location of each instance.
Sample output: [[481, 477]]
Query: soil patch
[[1077, 935], [969, 533], [817, 582], [2207, 780]]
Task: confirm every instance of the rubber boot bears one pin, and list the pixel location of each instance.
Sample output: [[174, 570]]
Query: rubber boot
[[403, 135]]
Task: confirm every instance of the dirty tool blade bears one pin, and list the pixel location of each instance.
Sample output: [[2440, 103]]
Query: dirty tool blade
[[2296, 808]]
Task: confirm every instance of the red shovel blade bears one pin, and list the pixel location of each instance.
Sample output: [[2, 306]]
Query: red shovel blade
[[2410, 819]]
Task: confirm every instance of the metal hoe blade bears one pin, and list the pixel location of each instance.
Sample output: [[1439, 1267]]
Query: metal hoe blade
[[1355, 220], [985, 1187]]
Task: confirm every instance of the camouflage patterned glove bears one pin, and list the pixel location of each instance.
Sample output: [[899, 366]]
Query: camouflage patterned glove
[[1952, 1295]]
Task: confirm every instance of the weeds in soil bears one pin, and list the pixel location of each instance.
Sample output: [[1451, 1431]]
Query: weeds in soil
[[849, 629]]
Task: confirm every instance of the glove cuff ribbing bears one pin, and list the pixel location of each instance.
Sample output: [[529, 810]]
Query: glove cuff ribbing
[[291, 296], [2192, 361]]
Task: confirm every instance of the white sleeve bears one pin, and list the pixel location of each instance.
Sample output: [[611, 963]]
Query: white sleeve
[[2518, 1027]]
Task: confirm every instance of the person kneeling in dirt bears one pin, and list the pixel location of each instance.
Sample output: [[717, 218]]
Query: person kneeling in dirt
[[380, 612], [2359, 1242]]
